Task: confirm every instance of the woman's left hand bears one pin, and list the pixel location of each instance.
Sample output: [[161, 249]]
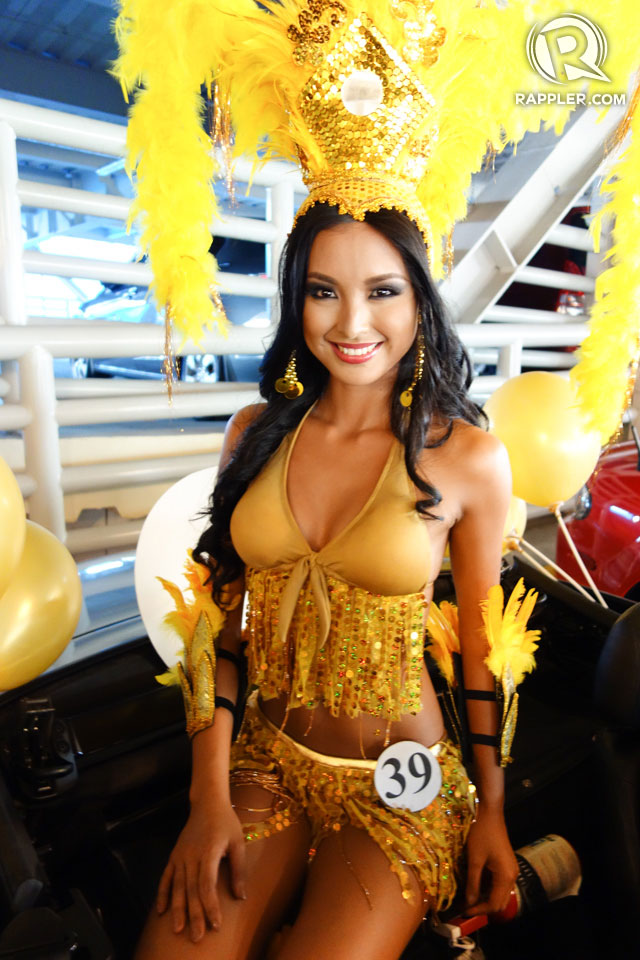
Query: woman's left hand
[[489, 849]]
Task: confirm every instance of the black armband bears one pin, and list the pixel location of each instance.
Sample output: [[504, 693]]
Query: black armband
[[223, 654], [480, 694], [484, 739], [225, 704]]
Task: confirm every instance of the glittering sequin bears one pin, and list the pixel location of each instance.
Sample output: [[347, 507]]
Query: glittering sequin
[[370, 663], [372, 142], [311, 33], [332, 793], [197, 677], [423, 36]]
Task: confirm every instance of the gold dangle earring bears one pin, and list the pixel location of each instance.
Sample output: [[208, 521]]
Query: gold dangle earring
[[289, 385], [406, 397]]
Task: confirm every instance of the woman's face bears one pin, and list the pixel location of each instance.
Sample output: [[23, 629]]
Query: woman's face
[[359, 316]]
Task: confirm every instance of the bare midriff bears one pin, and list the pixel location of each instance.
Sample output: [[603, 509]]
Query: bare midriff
[[362, 736]]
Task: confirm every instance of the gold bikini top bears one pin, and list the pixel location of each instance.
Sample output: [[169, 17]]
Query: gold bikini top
[[344, 625]]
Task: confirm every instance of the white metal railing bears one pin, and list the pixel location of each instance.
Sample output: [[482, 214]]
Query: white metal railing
[[29, 402], [38, 405]]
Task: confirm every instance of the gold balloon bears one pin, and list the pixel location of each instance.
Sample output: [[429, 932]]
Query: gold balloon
[[12, 524], [516, 522], [552, 452], [40, 608]]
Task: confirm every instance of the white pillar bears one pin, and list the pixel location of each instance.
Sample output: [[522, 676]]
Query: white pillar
[[12, 297], [41, 444], [510, 360], [280, 207]]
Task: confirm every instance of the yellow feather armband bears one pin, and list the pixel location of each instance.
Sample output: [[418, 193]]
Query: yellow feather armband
[[198, 624], [510, 654]]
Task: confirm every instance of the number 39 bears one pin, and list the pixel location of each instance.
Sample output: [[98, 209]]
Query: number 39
[[408, 775], [419, 770]]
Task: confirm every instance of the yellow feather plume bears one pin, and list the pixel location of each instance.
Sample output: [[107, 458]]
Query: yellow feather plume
[[168, 50], [443, 628], [184, 619], [510, 643], [606, 370], [609, 353]]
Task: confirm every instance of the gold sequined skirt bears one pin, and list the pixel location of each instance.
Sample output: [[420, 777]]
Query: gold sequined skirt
[[334, 792]]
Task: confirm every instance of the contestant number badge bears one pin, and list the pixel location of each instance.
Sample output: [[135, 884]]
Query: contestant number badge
[[407, 775]]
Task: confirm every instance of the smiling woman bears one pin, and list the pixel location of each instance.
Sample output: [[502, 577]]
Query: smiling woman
[[338, 495], [332, 510]]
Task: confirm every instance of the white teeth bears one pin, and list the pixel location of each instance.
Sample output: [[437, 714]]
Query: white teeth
[[355, 351]]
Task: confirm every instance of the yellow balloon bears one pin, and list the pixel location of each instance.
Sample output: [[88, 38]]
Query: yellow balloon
[[40, 608], [552, 452], [516, 522], [12, 524]]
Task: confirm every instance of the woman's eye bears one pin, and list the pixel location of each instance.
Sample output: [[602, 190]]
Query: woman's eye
[[381, 292], [319, 293]]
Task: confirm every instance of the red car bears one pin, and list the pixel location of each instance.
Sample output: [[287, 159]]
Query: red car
[[605, 525]]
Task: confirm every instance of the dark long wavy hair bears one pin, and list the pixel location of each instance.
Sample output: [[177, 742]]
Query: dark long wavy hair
[[441, 391]]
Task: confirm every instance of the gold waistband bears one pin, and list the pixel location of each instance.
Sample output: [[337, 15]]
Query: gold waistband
[[315, 755]]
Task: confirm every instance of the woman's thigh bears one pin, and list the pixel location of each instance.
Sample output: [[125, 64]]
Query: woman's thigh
[[276, 868], [353, 907]]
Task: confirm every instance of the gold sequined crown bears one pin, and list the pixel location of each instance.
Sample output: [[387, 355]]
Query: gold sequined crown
[[368, 112]]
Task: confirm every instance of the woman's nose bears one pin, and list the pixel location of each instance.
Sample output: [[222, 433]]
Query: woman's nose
[[354, 320]]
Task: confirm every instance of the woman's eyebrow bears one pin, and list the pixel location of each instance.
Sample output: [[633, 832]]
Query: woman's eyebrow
[[378, 279], [320, 276], [386, 276]]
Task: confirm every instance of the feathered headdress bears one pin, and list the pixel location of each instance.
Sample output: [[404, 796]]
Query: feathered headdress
[[384, 103]]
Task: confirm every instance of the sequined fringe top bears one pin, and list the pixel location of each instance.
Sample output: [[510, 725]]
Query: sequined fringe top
[[341, 626]]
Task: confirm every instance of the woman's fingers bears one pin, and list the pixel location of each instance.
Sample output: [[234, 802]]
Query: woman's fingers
[[178, 900], [162, 900], [197, 923], [500, 892], [498, 899], [208, 889], [238, 868], [472, 892], [190, 888]]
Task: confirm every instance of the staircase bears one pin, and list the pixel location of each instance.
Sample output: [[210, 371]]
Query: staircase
[[518, 208]]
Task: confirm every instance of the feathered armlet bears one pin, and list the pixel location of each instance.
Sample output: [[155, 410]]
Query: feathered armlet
[[510, 656], [198, 624]]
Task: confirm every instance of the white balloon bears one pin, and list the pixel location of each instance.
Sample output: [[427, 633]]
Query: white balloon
[[171, 529]]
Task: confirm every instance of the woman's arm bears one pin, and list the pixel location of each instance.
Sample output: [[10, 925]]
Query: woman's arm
[[189, 882], [476, 548]]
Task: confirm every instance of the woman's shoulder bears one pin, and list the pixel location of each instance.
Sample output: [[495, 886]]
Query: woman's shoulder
[[243, 418], [472, 451], [236, 426]]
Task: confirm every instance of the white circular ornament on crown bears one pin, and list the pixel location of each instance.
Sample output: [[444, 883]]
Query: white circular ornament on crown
[[172, 528], [362, 92]]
